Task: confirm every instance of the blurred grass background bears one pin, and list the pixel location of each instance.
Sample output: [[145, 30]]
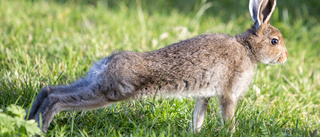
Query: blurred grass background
[[54, 42]]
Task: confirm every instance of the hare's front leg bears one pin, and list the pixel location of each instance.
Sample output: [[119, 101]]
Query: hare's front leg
[[228, 105], [199, 113], [229, 97]]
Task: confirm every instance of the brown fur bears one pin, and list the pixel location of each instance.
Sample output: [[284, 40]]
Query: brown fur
[[203, 66]]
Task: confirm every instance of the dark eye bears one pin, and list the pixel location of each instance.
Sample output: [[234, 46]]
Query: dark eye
[[274, 41]]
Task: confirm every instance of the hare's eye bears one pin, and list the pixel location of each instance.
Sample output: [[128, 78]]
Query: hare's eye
[[274, 41]]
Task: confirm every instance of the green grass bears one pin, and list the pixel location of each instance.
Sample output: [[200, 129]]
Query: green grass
[[55, 42]]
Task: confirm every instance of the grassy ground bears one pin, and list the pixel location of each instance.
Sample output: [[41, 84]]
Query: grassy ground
[[55, 42]]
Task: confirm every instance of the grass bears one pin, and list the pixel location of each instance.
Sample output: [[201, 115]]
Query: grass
[[55, 42]]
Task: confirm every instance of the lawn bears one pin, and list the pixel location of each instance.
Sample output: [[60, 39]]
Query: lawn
[[55, 42]]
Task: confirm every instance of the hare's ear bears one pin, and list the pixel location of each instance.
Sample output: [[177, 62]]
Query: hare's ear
[[261, 11]]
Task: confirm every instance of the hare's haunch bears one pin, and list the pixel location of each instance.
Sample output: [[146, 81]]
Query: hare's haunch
[[204, 66]]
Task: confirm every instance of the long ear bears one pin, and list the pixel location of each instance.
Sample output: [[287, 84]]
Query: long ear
[[261, 11]]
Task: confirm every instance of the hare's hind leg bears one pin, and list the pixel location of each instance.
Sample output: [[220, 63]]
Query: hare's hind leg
[[80, 98], [52, 100], [199, 113], [41, 96]]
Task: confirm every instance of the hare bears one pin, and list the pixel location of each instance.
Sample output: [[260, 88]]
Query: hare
[[203, 66]]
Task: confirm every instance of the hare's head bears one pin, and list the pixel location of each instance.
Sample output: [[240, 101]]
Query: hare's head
[[265, 41]]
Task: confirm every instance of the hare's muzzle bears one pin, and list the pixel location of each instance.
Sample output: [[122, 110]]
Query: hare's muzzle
[[283, 57]]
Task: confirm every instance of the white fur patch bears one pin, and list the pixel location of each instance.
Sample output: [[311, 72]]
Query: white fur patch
[[208, 92], [97, 68]]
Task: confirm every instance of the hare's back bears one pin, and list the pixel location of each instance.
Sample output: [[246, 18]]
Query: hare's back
[[200, 65]]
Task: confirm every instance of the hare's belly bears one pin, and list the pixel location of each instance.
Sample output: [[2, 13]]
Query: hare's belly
[[206, 92], [177, 93]]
